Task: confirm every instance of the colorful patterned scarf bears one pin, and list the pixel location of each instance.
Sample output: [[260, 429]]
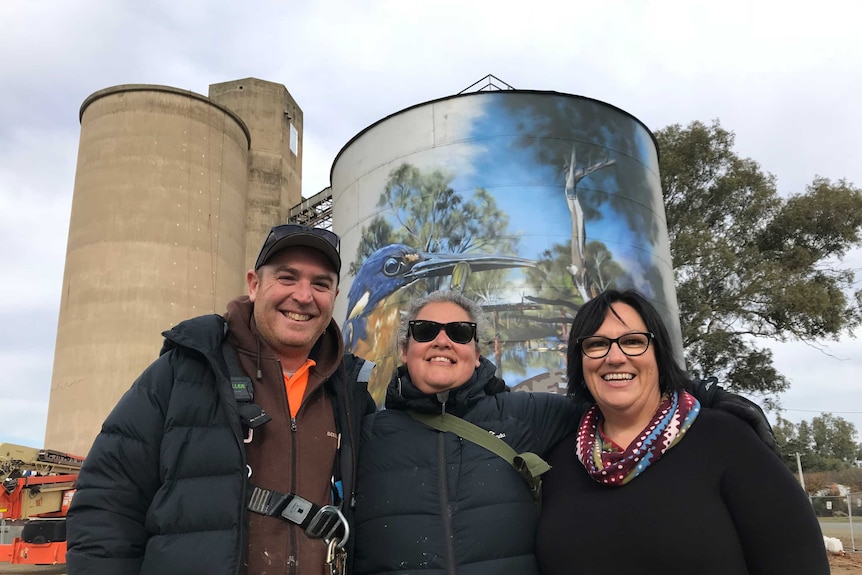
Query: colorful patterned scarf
[[672, 419]]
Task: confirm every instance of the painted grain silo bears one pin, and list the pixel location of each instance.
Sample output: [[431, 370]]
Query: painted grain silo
[[530, 202], [170, 199]]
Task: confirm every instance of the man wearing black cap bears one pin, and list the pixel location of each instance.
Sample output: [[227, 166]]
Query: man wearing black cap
[[233, 462]]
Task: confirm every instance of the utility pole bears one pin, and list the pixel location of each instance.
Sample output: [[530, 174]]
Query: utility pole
[[799, 467]]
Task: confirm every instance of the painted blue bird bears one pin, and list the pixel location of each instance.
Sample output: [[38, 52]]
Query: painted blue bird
[[370, 309]]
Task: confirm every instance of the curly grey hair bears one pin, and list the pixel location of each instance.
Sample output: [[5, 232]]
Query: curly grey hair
[[474, 311]]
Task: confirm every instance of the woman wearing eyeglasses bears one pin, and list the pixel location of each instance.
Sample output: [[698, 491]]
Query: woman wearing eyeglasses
[[433, 502], [650, 483]]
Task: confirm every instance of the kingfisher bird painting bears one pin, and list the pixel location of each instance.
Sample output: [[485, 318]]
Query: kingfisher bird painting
[[396, 266], [375, 296]]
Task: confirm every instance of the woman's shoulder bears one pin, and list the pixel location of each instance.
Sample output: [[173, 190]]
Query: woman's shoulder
[[516, 399], [385, 422], [721, 420], [719, 427]]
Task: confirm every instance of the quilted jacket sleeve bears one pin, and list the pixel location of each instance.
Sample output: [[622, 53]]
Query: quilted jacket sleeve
[[551, 417], [106, 530]]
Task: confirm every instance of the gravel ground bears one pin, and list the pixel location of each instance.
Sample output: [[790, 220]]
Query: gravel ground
[[848, 564]]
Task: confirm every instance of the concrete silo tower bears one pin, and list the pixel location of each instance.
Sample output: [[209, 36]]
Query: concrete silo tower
[[275, 158], [173, 194]]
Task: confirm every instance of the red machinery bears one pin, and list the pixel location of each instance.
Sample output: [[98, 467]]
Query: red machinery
[[35, 493]]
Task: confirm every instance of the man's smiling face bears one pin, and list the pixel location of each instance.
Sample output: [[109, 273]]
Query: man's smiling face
[[294, 295]]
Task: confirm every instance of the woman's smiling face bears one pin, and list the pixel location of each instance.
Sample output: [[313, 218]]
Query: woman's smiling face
[[621, 384], [440, 364]]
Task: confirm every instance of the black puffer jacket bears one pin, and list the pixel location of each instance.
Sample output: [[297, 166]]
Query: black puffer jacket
[[163, 489], [432, 502]]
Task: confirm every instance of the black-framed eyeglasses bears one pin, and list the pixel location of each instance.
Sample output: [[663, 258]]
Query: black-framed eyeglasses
[[631, 344], [458, 331]]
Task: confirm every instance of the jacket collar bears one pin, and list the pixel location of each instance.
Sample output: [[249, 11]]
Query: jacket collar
[[327, 352], [203, 334], [403, 394]]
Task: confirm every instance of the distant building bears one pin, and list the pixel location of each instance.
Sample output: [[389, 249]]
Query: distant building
[[834, 490]]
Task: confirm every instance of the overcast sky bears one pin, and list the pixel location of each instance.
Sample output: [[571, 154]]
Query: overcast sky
[[785, 79]]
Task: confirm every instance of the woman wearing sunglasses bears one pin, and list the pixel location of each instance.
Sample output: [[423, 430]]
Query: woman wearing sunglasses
[[650, 483], [434, 502]]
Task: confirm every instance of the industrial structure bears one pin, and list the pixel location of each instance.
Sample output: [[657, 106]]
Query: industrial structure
[[36, 488], [174, 192]]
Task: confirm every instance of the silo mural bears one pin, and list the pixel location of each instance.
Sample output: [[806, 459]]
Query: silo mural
[[529, 202]]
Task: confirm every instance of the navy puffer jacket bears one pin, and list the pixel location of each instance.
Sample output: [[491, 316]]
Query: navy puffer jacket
[[431, 502], [163, 489]]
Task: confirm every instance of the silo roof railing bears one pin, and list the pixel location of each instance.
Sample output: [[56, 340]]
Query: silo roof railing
[[489, 83]]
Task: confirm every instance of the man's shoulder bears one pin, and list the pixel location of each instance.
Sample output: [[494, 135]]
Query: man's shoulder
[[354, 373], [358, 365], [203, 333]]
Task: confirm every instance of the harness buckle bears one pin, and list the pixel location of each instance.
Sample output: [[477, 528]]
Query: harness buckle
[[252, 415], [297, 509], [326, 524]]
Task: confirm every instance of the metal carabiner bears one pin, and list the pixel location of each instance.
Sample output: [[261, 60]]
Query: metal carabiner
[[336, 556]]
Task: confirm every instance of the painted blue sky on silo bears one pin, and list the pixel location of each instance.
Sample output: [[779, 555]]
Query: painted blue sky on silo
[[508, 146]]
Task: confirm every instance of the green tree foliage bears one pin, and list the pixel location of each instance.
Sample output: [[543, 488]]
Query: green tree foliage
[[828, 443], [378, 234], [551, 279], [750, 264], [602, 267], [435, 218]]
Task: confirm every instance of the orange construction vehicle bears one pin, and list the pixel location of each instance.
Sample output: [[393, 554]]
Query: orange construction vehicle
[[36, 488]]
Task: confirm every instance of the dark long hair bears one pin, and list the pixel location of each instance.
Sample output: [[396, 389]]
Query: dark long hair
[[591, 316]]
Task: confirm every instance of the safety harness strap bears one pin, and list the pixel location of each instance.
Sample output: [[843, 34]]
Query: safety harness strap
[[325, 522], [251, 414], [528, 465]]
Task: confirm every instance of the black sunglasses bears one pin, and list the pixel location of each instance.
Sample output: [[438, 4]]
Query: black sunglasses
[[283, 230], [458, 331]]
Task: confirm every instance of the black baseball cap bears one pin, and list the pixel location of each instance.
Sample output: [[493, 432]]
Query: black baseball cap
[[289, 235]]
